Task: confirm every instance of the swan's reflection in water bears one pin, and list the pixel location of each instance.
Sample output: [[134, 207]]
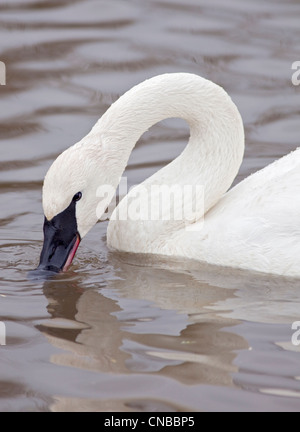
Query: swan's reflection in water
[[147, 318]]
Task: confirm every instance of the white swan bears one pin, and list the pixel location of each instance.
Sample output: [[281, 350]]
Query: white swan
[[256, 225]]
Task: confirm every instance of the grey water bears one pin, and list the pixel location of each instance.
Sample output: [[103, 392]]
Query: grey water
[[120, 332]]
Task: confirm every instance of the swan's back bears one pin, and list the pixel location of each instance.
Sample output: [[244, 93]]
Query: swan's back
[[256, 225]]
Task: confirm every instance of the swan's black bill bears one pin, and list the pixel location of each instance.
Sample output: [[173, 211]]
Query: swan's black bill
[[61, 240]]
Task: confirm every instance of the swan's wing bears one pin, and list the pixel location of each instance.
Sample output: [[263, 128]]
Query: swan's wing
[[256, 225]]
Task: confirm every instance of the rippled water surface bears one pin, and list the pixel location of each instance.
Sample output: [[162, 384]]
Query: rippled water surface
[[122, 332]]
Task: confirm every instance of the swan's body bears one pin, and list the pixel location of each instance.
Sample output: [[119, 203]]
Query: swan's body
[[253, 226]]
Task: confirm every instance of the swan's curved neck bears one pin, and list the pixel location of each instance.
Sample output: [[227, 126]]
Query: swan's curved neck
[[216, 145]]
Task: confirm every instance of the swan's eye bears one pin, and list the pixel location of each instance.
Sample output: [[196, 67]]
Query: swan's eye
[[77, 196]]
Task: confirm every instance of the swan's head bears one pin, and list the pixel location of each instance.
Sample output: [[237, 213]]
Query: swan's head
[[70, 206]]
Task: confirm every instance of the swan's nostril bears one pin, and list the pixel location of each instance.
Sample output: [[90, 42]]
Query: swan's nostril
[[52, 252]]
